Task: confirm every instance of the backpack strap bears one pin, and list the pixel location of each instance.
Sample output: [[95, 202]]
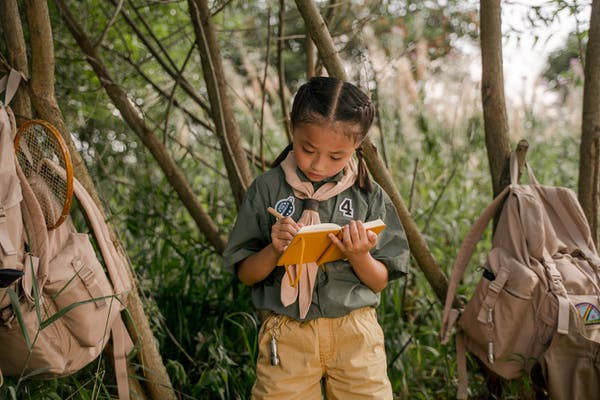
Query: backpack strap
[[461, 366], [122, 345], [556, 284], [37, 234], [113, 259], [462, 261], [514, 170], [10, 83]]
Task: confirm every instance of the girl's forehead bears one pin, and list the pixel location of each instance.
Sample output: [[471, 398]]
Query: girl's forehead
[[339, 133]]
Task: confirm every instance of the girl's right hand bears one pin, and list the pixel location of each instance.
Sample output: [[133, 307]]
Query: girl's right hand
[[282, 233]]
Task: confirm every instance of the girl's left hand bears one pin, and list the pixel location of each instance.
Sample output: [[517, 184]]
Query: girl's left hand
[[356, 240]]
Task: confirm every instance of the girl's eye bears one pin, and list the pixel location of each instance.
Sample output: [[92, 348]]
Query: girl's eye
[[336, 158], [307, 151]]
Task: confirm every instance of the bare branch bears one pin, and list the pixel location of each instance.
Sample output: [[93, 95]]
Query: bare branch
[[109, 24], [263, 92], [281, 73]]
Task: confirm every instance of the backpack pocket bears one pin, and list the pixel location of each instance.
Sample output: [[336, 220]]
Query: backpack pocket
[[11, 232], [81, 291], [499, 322], [46, 356]]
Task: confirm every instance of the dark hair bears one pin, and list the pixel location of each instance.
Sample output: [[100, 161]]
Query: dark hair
[[329, 100]]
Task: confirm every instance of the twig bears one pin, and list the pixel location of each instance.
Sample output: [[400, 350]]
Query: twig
[[432, 211], [263, 90], [281, 72], [109, 24], [412, 184], [221, 7], [172, 95]]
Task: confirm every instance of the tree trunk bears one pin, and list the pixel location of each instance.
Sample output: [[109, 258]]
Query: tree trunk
[[327, 53], [281, 72], [589, 160], [226, 126], [17, 54], [492, 92]]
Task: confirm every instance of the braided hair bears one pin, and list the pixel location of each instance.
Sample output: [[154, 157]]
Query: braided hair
[[329, 100]]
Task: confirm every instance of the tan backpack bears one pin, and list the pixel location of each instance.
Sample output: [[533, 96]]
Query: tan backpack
[[59, 315], [538, 301]]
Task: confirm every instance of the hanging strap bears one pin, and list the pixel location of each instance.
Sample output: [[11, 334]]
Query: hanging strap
[[114, 261], [461, 366], [122, 345], [10, 83], [464, 256], [558, 288]]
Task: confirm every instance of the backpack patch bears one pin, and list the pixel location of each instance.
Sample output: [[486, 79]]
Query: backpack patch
[[589, 313]]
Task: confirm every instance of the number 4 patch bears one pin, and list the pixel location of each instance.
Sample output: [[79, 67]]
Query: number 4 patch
[[346, 208]]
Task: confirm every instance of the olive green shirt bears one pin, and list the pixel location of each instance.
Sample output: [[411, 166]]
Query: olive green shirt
[[337, 289]]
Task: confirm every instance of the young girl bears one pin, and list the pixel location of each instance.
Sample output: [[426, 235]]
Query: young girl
[[325, 329]]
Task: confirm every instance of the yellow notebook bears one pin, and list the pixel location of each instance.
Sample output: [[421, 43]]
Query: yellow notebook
[[311, 243]]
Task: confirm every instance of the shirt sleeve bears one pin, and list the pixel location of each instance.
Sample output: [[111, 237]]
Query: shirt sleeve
[[392, 246], [251, 231]]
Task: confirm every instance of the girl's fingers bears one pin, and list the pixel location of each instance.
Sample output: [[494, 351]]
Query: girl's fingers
[[346, 235], [372, 236], [337, 242], [354, 228]]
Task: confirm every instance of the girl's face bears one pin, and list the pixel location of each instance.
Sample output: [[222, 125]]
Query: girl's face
[[321, 151]]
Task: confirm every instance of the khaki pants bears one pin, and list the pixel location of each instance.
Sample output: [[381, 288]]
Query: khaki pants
[[347, 352]]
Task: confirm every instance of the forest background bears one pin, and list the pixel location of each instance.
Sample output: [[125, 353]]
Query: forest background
[[161, 158]]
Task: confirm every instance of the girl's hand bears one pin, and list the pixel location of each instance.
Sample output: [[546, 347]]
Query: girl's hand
[[282, 233], [356, 240]]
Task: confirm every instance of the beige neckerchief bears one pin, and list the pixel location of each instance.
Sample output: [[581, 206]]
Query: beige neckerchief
[[305, 190]]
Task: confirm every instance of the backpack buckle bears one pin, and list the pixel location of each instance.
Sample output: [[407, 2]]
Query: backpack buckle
[[2, 214]]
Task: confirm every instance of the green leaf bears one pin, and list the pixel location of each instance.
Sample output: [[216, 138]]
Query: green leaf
[[68, 308], [14, 299]]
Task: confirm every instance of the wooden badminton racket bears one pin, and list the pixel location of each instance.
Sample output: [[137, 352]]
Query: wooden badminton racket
[[37, 142]]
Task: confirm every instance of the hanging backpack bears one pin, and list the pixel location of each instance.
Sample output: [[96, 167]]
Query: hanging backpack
[[60, 309], [537, 303]]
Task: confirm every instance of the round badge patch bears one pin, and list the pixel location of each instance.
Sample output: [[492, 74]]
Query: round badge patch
[[285, 206]]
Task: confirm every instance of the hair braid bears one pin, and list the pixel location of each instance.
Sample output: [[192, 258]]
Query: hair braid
[[364, 180]]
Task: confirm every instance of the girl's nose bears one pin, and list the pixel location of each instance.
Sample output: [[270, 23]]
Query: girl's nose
[[316, 162]]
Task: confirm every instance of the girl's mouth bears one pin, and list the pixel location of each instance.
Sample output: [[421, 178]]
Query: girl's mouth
[[314, 177]]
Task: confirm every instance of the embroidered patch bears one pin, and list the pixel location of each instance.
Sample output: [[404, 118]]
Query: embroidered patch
[[285, 206], [346, 208], [589, 313]]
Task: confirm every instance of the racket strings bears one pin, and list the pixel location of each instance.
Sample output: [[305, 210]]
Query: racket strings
[[50, 205], [36, 147]]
